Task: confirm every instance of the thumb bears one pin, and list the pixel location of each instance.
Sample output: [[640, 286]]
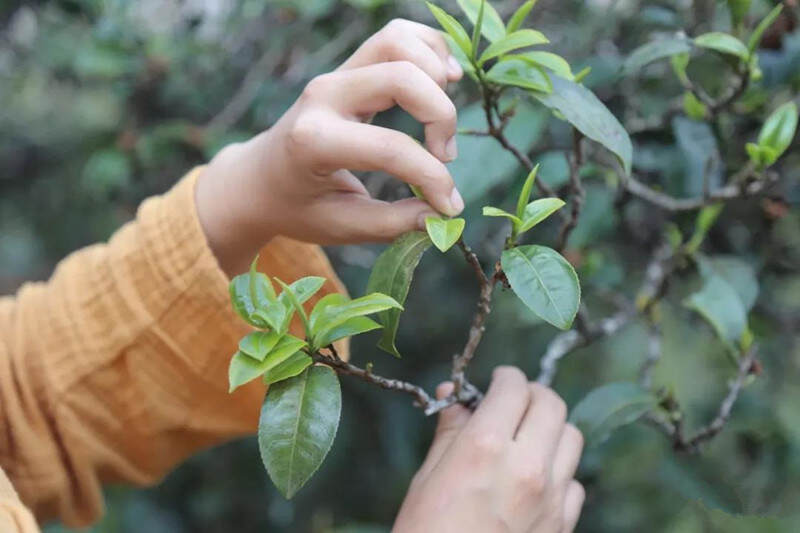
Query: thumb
[[451, 421]]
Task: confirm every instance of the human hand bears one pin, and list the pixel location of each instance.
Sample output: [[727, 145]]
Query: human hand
[[295, 180], [508, 467]]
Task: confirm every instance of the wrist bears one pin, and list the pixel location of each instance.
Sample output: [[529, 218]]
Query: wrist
[[231, 206]]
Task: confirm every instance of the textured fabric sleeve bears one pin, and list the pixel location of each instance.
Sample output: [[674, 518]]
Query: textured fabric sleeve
[[115, 369]]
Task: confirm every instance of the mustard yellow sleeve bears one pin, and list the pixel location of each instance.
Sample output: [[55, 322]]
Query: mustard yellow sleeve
[[115, 369]]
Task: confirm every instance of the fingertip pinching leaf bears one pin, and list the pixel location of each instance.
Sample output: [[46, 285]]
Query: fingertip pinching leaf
[[298, 423], [444, 232], [545, 282]]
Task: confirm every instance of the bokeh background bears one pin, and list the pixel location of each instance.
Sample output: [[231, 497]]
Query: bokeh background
[[105, 102]]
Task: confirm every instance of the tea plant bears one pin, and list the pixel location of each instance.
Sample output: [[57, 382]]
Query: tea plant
[[301, 410]]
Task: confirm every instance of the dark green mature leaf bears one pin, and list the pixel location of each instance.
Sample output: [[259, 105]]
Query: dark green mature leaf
[[349, 328], [244, 368], [610, 407], [779, 129], [518, 73], [335, 315], [545, 282], [259, 343], [723, 43], [391, 274], [581, 108], [492, 27], [722, 307], [242, 296], [455, 30], [298, 423], [737, 272], [513, 41], [755, 38], [538, 210], [292, 366], [701, 160], [653, 51], [548, 60], [444, 232], [519, 16]]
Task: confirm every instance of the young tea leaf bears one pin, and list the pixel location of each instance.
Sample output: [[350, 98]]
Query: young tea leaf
[[694, 108], [779, 129], [249, 292], [455, 30], [354, 326], [489, 211], [522, 74], [476, 31], [492, 27], [525, 193], [548, 60], [259, 343], [298, 423], [444, 232], [545, 282], [608, 408], [303, 289], [538, 210], [335, 315], [244, 368], [519, 16], [755, 37], [581, 108], [293, 365], [723, 43], [512, 41], [392, 274], [705, 219], [318, 313], [293, 300]]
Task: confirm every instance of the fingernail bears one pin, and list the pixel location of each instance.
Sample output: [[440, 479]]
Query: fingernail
[[451, 149], [453, 67], [456, 201]]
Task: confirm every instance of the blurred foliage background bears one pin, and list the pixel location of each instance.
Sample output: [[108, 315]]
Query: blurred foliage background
[[105, 102]]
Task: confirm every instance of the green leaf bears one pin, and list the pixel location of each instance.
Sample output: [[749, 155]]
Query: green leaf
[[335, 315], [289, 295], [779, 129], [705, 219], [538, 210], [518, 73], [243, 288], [461, 57], [755, 37], [548, 60], [455, 30], [608, 408], [512, 41], [476, 31], [519, 16], [694, 108], [298, 423], [581, 108], [679, 64], [444, 232], [761, 156], [545, 282], [391, 274], [653, 51], [723, 43], [702, 162], [737, 272], [489, 211], [721, 306], [259, 343], [354, 326], [525, 193], [326, 301], [492, 27], [303, 289], [293, 365], [738, 9], [276, 315], [244, 368]]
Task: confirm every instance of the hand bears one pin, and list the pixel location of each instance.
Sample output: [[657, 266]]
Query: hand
[[295, 180], [508, 467]]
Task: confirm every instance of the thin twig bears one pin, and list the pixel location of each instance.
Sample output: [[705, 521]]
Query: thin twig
[[578, 194]]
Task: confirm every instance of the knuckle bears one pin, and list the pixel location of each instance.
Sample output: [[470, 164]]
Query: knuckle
[[508, 373], [556, 405], [314, 88], [575, 435], [304, 133], [532, 477], [488, 445]]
